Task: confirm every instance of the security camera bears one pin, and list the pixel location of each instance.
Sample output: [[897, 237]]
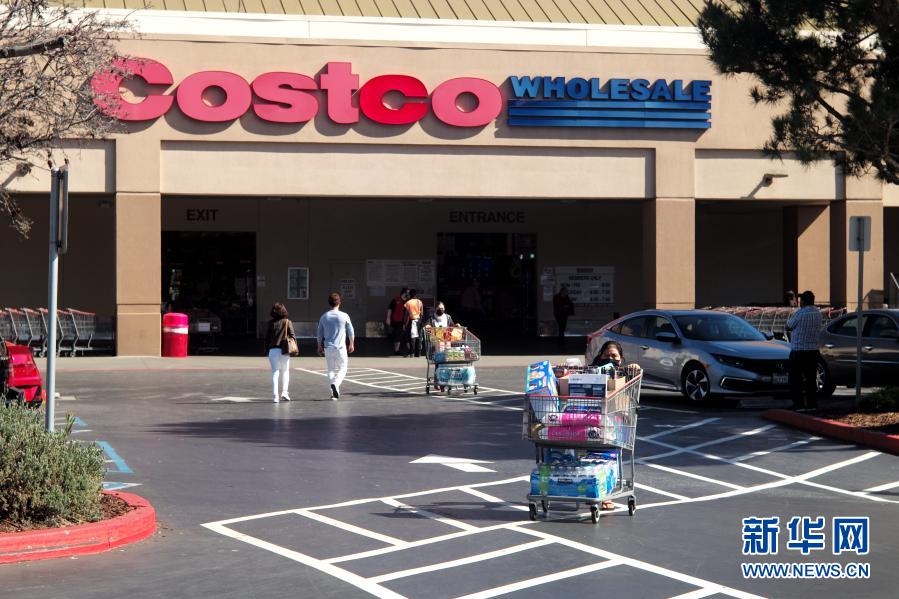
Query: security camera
[[768, 178]]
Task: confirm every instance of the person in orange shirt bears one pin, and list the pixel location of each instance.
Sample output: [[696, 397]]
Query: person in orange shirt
[[412, 324]]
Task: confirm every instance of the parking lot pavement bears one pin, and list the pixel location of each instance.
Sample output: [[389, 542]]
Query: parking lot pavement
[[392, 492]]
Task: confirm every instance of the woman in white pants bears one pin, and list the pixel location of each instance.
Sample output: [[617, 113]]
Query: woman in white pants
[[278, 331]]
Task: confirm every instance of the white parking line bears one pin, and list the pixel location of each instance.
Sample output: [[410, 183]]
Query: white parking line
[[404, 384], [757, 454], [678, 429], [461, 562], [756, 431], [883, 487], [339, 573], [659, 491], [792, 480], [646, 566], [427, 514], [532, 582], [691, 475], [351, 528]]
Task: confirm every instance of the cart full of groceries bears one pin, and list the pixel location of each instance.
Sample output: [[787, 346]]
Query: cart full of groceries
[[583, 423], [451, 353]]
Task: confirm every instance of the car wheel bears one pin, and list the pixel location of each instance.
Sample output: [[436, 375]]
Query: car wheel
[[823, 380], [695, 383]]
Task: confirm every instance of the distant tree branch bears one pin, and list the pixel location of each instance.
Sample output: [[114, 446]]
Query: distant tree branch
[[33, 48]]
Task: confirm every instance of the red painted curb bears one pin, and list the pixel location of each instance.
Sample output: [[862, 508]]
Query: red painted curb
[[836, 430], [82, 539]]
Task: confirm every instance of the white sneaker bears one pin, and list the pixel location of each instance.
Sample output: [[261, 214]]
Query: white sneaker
[[285, 397], [275, 400]]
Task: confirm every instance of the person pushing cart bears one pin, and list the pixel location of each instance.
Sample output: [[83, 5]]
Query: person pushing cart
[[450, 353], [584, 438]]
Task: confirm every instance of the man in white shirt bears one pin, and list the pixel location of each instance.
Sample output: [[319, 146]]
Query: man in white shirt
[[336, 338]]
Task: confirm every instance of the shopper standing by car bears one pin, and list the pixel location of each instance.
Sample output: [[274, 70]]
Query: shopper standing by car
[[805, 335], [277, 333], [336, 339], [396, 313]]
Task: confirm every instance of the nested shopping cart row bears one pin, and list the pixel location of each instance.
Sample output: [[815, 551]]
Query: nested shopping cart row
[[75, 329]]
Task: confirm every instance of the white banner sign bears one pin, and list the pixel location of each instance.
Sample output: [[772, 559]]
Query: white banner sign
[[587, 284]]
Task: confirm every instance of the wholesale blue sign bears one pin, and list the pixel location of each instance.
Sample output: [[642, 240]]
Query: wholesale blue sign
[[579, 102]]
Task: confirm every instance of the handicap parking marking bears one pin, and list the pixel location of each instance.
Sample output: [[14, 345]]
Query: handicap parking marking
[[375, 584]]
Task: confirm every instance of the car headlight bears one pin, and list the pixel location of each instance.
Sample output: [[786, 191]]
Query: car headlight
[[730, 360]]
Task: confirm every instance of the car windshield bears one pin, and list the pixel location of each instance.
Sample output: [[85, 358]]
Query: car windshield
[[717, 327]]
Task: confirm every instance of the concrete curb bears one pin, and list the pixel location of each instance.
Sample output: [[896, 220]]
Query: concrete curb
[[835, 430], [82, 539]]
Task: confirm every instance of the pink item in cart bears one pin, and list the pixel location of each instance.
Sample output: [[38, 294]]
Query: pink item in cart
[[573, 433], [572, 418]]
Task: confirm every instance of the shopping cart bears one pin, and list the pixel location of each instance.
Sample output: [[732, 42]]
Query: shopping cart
[[85, 324], [450, 353], [580, 444]]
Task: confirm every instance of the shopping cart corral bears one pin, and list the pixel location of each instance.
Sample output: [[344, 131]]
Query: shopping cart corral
[[75, 330], [584, 443], [451, 353]]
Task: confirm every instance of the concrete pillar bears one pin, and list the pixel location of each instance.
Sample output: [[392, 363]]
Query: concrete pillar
[[807, 250], [669, 232], [863, 198], [138, 273], [138, 244]]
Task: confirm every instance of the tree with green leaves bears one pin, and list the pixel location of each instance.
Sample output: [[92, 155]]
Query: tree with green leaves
[[833, 65], [48, 53]]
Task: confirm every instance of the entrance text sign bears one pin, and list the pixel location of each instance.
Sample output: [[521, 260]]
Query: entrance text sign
[[285, 97], [588, 284]]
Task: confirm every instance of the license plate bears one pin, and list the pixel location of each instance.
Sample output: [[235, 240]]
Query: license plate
[[781, 379]]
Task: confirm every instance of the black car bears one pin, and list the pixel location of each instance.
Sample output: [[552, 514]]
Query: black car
[[880, 350]]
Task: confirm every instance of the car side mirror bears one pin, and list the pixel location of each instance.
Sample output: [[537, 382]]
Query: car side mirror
[[667, 337]]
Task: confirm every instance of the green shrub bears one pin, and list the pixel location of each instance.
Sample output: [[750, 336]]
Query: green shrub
[[46, 477], [885, 399]]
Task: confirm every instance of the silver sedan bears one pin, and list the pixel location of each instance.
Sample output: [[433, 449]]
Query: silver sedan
[[701, 353]]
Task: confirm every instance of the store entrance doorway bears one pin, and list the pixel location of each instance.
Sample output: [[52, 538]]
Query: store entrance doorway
[[489, 283], [211, 277]]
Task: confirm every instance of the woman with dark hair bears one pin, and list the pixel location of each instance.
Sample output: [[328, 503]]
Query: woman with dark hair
[[610, 353], [277, 332]]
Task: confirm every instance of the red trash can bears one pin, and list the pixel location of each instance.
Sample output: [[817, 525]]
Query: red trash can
[[174, 335]]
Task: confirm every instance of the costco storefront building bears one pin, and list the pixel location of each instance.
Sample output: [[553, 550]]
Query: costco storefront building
[[277, 157]]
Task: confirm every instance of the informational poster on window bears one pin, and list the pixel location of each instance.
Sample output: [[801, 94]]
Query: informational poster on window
[[348, 289], [419, 274], [587, 284], [298, 283]]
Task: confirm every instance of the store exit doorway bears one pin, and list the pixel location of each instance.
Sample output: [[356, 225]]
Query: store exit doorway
[[211, 277], [489, 283]]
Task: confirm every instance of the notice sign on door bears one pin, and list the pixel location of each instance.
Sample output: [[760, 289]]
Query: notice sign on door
[[587, 284], [348, 289], [419, 274]]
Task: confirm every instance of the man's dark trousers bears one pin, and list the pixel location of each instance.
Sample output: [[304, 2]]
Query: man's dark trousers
[[804, 378]]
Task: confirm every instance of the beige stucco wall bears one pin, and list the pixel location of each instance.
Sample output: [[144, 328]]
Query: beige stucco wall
[[651, 178]]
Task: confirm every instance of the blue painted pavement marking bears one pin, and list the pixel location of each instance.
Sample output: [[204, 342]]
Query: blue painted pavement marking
[[121, 466]]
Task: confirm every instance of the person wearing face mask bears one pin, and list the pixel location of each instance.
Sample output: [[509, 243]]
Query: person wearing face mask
[[610, 353], [440, 318]]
